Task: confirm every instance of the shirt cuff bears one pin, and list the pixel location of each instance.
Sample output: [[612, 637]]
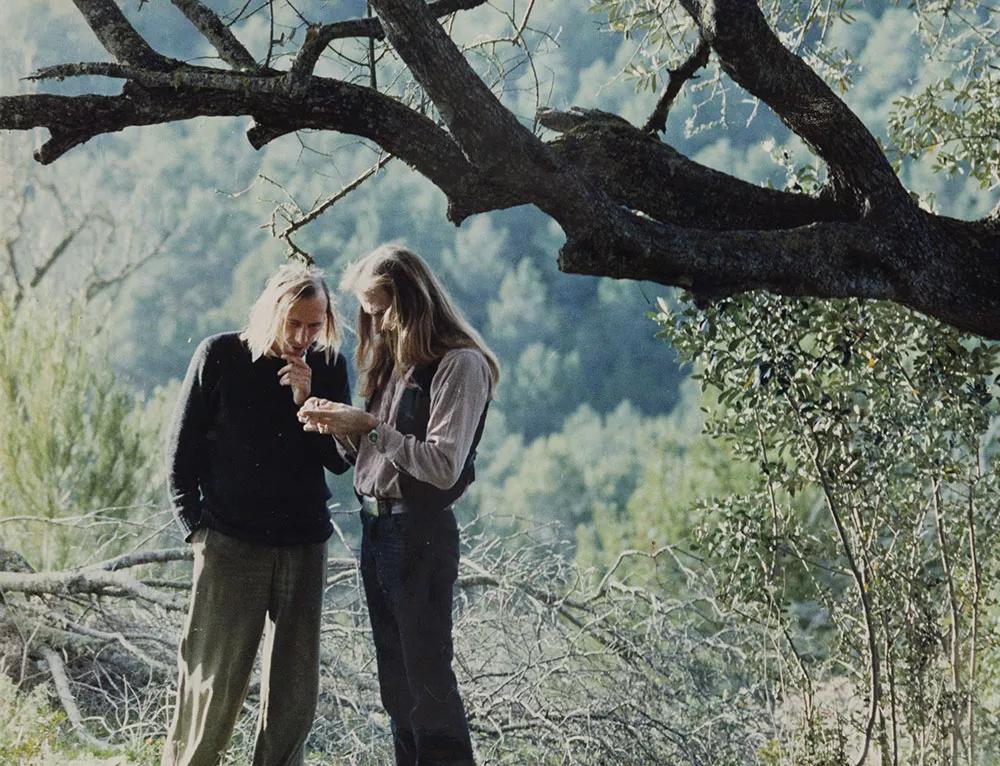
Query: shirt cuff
[[389, 440]]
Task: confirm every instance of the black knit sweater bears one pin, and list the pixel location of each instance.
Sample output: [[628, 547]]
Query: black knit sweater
[[239, 460]]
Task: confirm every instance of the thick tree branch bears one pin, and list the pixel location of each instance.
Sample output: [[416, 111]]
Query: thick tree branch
[[118, 36], [751, 53], [218, 34], [328, 105], [490, 135], [323, 105], [487, 132], [630, 206], [318, 37], [829, 260], [960, 284], [184, 76], [641, 172]]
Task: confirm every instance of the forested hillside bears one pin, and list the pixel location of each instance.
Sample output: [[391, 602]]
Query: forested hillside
[[676, 536]]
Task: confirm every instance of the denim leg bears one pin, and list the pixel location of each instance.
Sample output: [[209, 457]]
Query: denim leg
[[380, 555], [409, 565], [422, 599]]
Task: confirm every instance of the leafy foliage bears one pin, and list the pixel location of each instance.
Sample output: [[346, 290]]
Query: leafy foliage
[[955, 117], [80, 452], [677, 471], [566, 480], [883, 423], [956, 123]]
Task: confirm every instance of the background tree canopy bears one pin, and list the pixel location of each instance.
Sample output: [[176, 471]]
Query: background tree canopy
[[807, 582]]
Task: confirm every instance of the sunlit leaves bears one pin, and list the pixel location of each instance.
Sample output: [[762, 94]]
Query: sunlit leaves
[[885, 419], [956, 124]]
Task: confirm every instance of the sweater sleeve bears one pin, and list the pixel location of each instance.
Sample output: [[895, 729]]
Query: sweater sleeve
[[335, 387], [186, 444]]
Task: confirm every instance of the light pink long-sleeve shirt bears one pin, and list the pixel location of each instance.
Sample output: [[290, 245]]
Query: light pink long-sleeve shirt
[[459, 392]]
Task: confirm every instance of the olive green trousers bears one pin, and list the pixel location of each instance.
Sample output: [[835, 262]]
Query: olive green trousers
[[242, 592]]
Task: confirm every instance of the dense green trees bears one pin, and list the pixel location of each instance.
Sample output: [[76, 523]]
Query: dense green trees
[[813, 576]]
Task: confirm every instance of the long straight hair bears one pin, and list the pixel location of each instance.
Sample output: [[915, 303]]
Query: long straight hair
[[290, 283], [423, 322]]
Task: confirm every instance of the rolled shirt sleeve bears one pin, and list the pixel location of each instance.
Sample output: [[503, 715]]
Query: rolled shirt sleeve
[[459, 393]]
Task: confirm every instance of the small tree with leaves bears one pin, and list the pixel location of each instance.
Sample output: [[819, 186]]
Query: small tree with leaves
[[868, 541]]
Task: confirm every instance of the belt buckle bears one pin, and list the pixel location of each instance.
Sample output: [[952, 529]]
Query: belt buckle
[[376, 506]]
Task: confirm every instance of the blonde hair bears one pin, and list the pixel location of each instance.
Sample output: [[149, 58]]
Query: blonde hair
[[424, 321], [290, 283]]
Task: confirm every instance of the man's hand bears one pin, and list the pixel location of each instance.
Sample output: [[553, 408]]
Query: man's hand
[[326, 417], [298, 375]]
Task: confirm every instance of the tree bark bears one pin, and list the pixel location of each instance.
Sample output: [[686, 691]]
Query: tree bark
[[631, 206]]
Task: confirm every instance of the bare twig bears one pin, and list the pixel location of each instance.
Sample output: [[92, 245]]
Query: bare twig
[[977, 586], [954, 642], [657, 122], [58, 672], [864, 597], [547, 664], [55, 254], [330, 201]]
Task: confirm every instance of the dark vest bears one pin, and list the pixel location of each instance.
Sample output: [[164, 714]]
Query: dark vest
[[411, 419]]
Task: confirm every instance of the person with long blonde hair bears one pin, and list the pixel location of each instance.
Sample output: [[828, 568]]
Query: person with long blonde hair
[[248, 488], [427, 377]]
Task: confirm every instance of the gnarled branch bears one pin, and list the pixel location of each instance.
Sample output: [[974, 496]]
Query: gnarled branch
[[751, 53], [218, 34], [657, 122], [118, 36], [630, 206]]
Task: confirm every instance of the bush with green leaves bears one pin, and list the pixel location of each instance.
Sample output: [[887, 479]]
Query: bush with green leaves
[[867, 544], [80, 456]]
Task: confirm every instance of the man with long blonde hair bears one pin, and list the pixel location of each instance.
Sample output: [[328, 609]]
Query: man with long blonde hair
[[248, 489], [428, 378]]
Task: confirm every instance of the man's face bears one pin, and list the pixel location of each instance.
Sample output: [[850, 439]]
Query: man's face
[[305, 320], [377, 304]]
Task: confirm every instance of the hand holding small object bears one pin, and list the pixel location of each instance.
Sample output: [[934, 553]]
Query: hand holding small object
[[326, 417]]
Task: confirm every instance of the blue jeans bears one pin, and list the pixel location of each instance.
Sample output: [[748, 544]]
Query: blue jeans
[[409, 564]]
